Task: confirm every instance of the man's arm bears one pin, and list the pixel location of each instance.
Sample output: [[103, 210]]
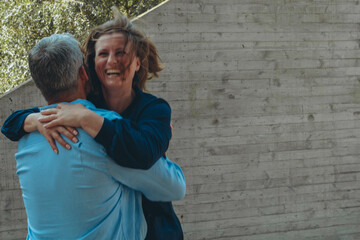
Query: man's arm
[[164, 181]]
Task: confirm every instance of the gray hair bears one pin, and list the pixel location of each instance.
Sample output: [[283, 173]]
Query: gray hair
[[54, 64]]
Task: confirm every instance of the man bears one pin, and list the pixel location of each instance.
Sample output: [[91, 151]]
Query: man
[[82, 193]]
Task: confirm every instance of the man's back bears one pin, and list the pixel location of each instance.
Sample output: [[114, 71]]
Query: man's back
[[72, 195]]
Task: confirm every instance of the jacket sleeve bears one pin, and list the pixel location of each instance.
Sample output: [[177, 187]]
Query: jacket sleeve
[[164, 181], [13, 125], [138, 144]]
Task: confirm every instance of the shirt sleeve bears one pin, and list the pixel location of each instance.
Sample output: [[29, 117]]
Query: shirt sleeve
[[138, 144], [164, 181], [13, 125]]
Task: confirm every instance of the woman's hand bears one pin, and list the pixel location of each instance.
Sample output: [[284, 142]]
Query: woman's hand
[[63, 115], [32, 123], [72, 115], [53, 134]]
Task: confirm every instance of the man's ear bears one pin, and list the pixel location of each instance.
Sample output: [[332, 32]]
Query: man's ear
[[83, 75], [84, 80], [137, 64]]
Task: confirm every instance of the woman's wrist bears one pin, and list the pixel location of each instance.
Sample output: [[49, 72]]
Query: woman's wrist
[[91, 122], [31, 122]]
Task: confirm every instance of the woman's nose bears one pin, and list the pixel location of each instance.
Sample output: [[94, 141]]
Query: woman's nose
[[112, 59]]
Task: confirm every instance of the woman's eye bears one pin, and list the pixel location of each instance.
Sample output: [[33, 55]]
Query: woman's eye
[[102, 54]]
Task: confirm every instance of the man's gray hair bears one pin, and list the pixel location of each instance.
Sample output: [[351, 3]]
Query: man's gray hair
[[54, 64]]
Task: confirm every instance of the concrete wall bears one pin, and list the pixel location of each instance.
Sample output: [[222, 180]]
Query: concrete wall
[[13, 223], [266, 106]]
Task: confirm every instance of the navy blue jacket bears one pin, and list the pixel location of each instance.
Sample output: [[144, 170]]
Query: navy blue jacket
[[136, 141]]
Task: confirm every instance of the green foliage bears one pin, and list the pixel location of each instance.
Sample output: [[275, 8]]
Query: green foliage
[[24, 22]]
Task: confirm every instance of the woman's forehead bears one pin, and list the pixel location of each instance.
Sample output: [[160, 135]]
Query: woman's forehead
[[115, 35], [107, 40]]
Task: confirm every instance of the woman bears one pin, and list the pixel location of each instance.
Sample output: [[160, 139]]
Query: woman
[[120, 60]]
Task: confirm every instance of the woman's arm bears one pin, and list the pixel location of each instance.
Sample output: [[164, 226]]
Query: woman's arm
[[13, 125], [138, 144], [133, 144], [25, 121]]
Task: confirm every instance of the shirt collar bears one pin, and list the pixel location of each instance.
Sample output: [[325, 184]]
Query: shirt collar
[[84, 102]]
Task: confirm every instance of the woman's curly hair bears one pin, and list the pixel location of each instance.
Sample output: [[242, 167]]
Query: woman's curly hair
[[141, 47]]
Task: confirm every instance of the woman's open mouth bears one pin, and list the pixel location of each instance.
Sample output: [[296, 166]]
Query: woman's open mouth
[[113, 72]]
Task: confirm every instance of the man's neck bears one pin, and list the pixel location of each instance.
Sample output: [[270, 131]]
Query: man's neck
[[65, 98]]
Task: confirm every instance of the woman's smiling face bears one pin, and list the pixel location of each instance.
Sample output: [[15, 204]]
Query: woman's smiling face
[[115, 63]]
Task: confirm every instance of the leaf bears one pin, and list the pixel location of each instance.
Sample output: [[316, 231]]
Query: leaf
[[24, 22]]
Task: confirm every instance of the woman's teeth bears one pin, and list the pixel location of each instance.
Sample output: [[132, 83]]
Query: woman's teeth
[[113, 73]]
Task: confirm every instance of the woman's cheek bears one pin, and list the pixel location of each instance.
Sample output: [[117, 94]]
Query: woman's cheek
[[98, 69]]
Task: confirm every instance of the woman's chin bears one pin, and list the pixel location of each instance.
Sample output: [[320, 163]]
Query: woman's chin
[[113, 81], [117, 85]]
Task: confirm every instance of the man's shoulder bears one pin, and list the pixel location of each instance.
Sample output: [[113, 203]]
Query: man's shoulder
[[111, 115], [89, 105], [85, 146], [102, 112]]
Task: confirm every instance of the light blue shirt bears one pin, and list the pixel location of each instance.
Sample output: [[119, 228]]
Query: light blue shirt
[[83, 194]]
